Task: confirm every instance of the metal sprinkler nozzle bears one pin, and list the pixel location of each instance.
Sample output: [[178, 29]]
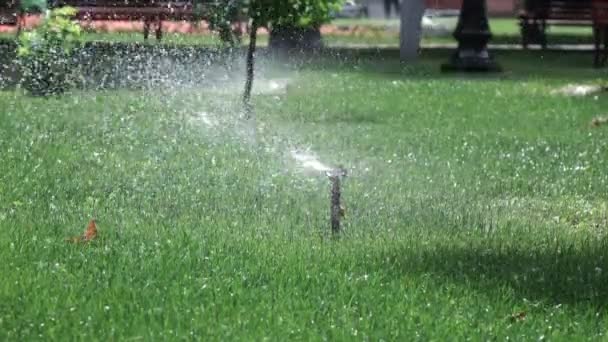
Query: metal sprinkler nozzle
[[337, 211], [340, 171]]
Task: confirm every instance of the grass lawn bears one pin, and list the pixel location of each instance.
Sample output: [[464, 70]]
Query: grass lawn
[[378, 32], [504, 30], [372, 32], [476, 205]]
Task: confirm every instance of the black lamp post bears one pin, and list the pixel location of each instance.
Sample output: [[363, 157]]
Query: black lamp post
[[472, 34]]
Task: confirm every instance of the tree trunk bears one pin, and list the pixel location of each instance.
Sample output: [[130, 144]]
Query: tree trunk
[[411, 16], [250, 67]]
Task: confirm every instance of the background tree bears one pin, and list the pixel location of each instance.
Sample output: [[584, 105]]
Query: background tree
[[295, 24], [292, 24], [27, 7], [223, 15]]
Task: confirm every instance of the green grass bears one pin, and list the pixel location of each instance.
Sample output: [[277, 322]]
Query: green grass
[[500, 26], [504, 30], [373, 22], [470, 199], [377, 32], [374, 32], [170, 38]]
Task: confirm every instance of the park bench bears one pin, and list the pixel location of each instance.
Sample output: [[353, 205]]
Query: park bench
[[538, 14], [600, 31], [8, 12], [148, 11]]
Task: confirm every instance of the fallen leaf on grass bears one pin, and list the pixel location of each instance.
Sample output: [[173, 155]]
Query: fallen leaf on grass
[[517, 317], [89, 234]]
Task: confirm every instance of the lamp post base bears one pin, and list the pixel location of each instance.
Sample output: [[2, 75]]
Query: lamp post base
[[470, 60], [472, 33]]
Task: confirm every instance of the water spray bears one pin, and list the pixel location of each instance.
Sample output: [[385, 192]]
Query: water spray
[[337, 210]]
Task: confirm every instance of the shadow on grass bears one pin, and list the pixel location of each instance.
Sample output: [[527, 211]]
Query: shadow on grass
[[549, 272], [552, 38], [108, 65], [517, 64], [100, 65]]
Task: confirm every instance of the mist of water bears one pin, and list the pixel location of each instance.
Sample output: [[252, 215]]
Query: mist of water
[[213, 81], [309, 162]]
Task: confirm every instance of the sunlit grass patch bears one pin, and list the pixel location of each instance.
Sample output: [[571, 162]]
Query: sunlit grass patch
[[470, 200]]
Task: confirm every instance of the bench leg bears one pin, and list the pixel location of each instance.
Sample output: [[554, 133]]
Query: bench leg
[[159, 29], [525, 33], [20, 24], [597, 44], [146, 29], [600, 38], [533, 31], [543, 35], [604, 44]]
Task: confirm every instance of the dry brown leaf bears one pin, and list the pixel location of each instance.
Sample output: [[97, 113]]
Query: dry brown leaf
[[89, 234], [518, 316]]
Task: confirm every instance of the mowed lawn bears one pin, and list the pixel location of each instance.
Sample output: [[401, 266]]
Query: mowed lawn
[[362, 32], [476, 206]]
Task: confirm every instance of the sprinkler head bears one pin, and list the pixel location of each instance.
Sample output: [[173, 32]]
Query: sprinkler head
[[339, 172], [337, 210]]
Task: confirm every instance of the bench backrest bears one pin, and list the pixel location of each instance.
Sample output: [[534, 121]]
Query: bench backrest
[[560, 9], [137, 9], [130, 3]]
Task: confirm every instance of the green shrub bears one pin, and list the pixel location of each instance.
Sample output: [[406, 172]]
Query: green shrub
[[33, 6], [45, 53], [295, 13], [293, 23]]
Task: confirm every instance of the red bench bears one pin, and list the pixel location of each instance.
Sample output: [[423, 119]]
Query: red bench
[[149, 11], [538, 14], [600, 31]]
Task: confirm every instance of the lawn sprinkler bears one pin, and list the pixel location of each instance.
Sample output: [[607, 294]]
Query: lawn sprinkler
[[337, 210]]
